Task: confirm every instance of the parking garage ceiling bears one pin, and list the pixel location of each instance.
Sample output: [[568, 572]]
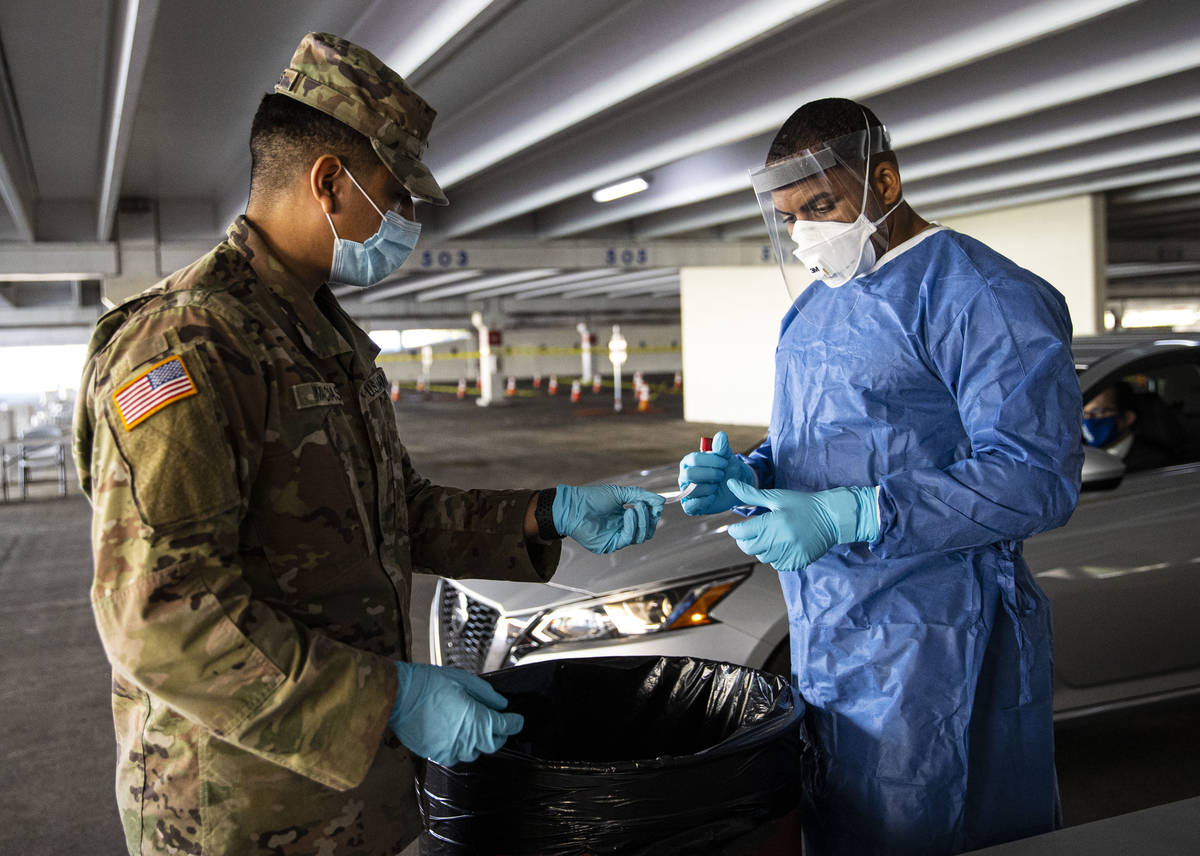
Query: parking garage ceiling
[[141, 109]]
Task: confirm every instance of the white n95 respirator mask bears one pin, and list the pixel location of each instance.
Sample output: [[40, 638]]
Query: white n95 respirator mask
[[798, 193], [834, 252]]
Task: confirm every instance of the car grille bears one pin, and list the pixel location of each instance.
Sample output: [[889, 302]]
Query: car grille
[[465, 629]]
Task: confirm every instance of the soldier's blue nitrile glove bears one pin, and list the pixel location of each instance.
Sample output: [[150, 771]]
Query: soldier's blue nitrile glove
[[800, 527], [448, 715], [709, 471], [597, 517]]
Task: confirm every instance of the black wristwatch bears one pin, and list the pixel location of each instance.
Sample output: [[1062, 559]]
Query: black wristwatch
[[543, 513]]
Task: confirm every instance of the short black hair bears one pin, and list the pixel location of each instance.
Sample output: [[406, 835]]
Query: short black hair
[[1124, 396], [286, 136], [819, 122]]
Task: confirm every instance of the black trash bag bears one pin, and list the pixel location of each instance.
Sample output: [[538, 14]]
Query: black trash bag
[[629, 755]]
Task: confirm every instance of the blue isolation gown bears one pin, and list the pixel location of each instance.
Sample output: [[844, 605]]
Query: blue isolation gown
[[945, 377]]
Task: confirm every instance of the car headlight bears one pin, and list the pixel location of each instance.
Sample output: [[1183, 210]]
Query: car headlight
[[628, 614]]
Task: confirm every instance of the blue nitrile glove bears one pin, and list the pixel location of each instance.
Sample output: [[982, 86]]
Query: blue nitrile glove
[[596, 515], [709, 471], [448, 715], [800, 527]]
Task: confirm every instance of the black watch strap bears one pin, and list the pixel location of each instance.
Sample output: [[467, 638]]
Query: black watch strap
[[543, 513]]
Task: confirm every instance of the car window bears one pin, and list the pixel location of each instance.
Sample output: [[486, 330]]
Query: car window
[[1166, 400]]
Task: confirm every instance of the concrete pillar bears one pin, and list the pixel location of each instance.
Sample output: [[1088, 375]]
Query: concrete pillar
[[585, 345], [730, 322], [487, 362], [1063, 241], [618, 353]]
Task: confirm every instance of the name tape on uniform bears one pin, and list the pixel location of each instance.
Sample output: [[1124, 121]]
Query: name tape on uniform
[[316, 395], [163, 383]]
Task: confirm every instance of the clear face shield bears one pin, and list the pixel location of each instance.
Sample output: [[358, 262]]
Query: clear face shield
[[821, 213]]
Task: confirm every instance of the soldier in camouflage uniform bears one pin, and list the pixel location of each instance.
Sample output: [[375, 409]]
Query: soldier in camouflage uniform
[[257, 519]]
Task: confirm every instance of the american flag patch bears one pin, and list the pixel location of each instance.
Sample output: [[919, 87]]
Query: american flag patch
[[152, 390]]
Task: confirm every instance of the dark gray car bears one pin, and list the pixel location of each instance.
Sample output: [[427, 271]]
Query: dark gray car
[[1123, 575]]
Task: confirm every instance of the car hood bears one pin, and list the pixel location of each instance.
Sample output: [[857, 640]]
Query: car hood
[[681, 547]]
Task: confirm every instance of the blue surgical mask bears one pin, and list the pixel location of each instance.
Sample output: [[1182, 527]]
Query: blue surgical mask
[[1098, 432], [380, 255]]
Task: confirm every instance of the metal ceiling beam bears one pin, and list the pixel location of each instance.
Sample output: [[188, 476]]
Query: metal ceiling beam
[[1142, 270], [664, 290], [1139, 250], [721, 107], [415, 32], [18, 186], [54, 262], [1178, 223], [624, 287], [134, 25], [1058, 173], [341, 291], [694, 179], [1062, 128], [458, 311], [1112, 154], [1163, 205], [712, 212], [748, 228], [722, 171], [1153, 290], [564, 290], [412, 284], [1157, 191], [59, 316], [598, 68], [497, 280], [564, 279], [1058, 190]]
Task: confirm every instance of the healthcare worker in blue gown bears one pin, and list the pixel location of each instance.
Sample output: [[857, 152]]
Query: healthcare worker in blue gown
[[926, 420]]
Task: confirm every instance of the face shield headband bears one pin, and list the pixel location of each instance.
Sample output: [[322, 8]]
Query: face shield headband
[[820, 211]]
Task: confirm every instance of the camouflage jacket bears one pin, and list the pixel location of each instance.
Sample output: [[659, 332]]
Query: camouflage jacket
[[256, 520]]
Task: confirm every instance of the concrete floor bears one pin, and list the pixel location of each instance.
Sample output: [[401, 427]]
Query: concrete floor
[[55, 727]]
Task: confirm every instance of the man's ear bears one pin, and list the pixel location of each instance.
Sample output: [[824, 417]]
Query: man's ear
[[885, 181], [321, 182]]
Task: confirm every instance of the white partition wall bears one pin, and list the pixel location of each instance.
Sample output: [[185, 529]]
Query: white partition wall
[[1062, 241], [730, 320]]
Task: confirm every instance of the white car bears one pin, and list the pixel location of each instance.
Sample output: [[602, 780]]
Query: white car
[[1123, 574]]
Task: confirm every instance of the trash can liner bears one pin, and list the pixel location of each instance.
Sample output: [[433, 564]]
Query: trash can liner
[[626, 755]]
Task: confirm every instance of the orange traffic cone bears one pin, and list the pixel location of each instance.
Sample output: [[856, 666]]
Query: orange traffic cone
[[596, 381], [678, 380], [537, 381], [462, 387], [575, 392], [510, 388], [643, 398], [552, 389], [395, 392]]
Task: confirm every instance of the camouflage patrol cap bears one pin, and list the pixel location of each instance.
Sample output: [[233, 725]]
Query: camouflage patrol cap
[[353, 86]]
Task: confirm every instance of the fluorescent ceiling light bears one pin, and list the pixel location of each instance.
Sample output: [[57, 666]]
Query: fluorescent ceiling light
[[620, 189]]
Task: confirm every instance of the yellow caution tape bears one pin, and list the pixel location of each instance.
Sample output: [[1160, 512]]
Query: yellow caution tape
[[522, 352]]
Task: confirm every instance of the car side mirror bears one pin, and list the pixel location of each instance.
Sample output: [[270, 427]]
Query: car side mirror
[[1101, 471]]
